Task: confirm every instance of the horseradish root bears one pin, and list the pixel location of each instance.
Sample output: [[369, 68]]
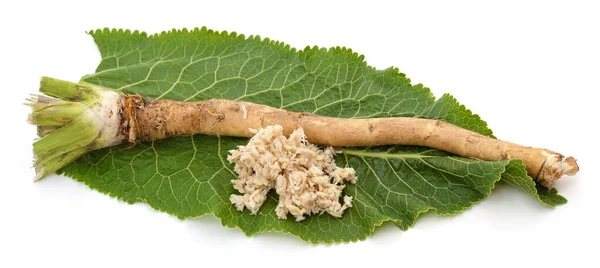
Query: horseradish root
[[108, 118]]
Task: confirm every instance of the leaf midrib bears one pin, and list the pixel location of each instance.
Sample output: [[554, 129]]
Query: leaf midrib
[[387, 154]]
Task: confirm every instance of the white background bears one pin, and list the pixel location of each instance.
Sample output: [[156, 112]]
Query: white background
[[530, 69]]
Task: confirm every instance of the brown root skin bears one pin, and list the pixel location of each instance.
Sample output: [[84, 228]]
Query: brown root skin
[[147, 120]]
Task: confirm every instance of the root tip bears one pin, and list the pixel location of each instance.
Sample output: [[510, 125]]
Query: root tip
[[570, 166], [555, 167]]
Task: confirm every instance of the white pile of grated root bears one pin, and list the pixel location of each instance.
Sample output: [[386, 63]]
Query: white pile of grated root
[[305, 177]]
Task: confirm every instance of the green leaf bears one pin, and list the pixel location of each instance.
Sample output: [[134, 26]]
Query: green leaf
[[516, 176], [188, 176]]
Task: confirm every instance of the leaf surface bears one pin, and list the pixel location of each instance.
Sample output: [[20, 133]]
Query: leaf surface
[[189, 176]]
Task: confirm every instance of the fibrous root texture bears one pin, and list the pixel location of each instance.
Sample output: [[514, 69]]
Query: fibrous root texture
[[304, 176]]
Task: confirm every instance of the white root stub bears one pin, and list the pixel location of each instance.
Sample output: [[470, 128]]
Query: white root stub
[[555, 167], [305, 177]]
